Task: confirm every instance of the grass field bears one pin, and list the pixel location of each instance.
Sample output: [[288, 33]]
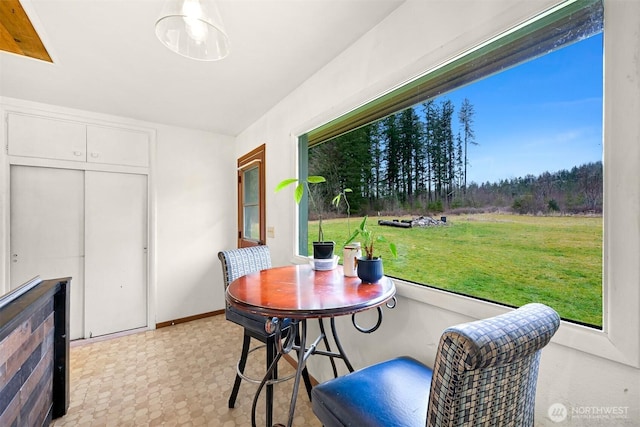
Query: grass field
[[510, 259]]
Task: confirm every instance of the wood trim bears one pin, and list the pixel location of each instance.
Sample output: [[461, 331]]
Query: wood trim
[[257, 155], [188, 318], [574, 20], [17, 34]]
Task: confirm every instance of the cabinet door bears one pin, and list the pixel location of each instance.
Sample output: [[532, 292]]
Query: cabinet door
[[117, 146], [33, 136], [47, 231], [115, 252]]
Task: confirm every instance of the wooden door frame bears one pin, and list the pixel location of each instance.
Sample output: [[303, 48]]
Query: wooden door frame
[[256, 155]]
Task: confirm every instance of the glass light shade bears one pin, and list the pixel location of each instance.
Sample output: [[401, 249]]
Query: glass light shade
[[193, 28]]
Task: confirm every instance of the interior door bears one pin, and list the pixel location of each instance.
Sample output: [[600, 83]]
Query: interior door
[[47, 231], [251, 198], [116, 252]]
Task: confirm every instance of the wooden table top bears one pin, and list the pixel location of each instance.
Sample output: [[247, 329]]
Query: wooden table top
[[299, 292]]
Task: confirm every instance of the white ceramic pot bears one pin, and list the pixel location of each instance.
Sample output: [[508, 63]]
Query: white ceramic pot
[[351, 253]]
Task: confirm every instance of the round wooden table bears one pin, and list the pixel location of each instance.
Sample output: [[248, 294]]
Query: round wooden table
[[299, 293]]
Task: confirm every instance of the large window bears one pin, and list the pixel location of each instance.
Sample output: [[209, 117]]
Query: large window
[[502, 150]]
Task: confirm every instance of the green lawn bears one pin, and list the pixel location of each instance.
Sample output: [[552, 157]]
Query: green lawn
[[509, 259]]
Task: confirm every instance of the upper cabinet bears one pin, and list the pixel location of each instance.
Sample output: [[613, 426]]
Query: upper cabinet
[[32, 136], [117, 146], [48, 138]]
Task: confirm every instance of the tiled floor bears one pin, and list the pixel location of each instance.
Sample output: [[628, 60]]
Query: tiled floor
[[176, 376]]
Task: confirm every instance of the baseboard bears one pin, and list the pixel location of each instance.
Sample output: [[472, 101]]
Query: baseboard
[[188, 318]]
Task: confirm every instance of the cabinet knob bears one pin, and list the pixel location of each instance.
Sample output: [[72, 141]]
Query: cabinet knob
[[77, 153], [94, 155]]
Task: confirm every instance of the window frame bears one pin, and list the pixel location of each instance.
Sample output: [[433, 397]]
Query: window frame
[[254, 158], [617, 340]]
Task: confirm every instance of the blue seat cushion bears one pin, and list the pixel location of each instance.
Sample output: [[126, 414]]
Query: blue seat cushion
[[392, 393]]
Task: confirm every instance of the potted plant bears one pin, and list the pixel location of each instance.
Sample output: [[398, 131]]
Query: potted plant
[[370, 266], [351, 250], [321, 249], [342, 195]]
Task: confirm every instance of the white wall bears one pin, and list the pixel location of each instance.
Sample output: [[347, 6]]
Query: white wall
[[192, 212], [196, 206], [581, 368]]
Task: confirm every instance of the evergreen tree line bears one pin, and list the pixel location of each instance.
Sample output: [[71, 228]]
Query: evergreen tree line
[[416, 162]]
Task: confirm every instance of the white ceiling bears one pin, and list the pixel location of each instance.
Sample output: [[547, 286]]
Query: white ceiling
[[107, 59]]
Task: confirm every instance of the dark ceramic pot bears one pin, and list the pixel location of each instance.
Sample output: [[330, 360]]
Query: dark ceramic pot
[[370, 270], [323, 250]]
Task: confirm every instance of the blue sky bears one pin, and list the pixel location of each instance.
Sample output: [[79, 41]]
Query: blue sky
[[544, 115]]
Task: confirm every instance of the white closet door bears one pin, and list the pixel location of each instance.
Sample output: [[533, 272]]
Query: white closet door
[[115, 252], [47, 231]]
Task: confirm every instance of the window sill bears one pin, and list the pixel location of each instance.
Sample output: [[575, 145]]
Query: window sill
[[578, 337]]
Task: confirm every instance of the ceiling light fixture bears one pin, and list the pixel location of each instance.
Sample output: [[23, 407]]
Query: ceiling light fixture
[[193, 28]]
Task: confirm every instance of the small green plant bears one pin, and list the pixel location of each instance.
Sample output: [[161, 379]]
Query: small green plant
[[336, 202], [302, 185], [369, 240]]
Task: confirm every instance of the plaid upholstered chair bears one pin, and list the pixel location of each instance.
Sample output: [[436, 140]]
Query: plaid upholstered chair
[[237, 263], [485, 374]]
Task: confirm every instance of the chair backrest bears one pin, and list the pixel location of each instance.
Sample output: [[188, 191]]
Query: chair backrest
[[239, 262], [486, 371]]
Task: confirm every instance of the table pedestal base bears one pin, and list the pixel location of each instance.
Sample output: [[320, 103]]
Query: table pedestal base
[[297, 331]]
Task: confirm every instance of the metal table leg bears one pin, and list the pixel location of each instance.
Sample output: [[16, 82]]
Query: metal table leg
[[343, 355], [299, 368], [273, 325], [297, 330]]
